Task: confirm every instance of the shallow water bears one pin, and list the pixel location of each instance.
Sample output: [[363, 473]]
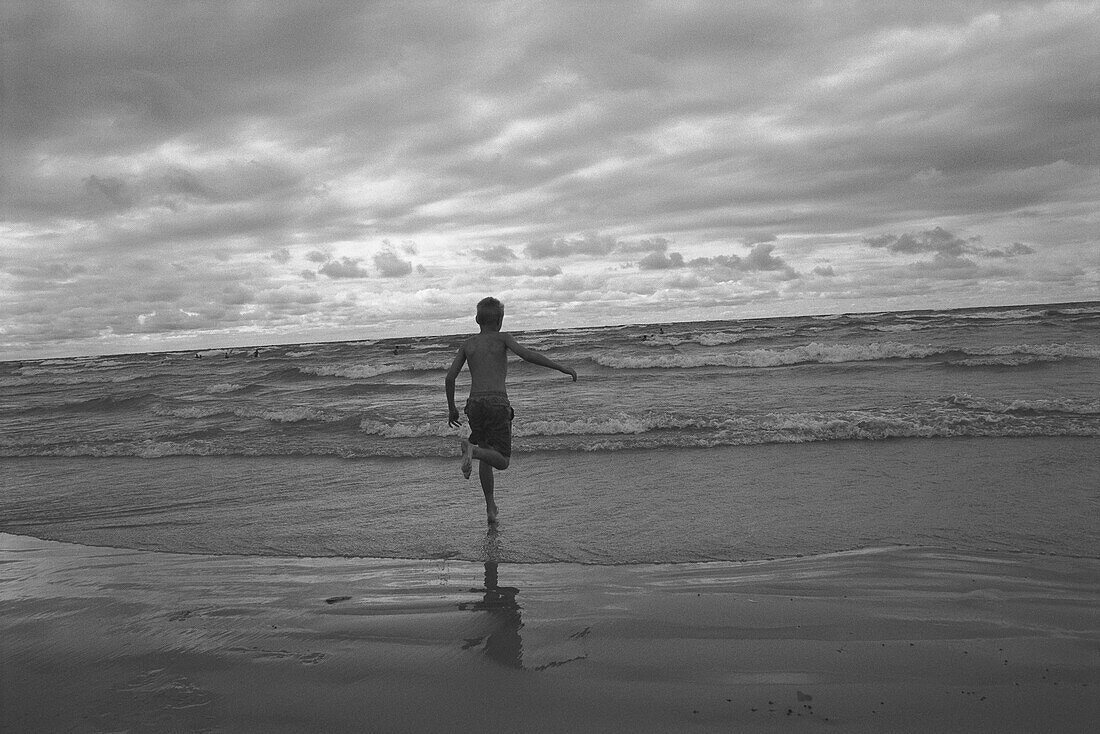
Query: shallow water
[[668, 505]]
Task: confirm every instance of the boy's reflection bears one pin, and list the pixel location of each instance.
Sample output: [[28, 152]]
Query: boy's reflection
[[503, 643]]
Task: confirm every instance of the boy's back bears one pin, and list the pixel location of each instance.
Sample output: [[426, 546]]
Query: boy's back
[[487, 357]]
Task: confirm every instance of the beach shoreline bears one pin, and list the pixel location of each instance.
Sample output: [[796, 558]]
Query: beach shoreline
[[882, 639]]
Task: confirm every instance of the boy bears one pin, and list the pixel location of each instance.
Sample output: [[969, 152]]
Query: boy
[[488, 409]]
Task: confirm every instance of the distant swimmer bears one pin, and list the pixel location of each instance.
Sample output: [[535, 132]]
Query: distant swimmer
[[487, 408], [256, 354]]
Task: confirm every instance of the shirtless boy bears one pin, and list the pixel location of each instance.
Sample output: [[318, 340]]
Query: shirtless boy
[[488, 409]]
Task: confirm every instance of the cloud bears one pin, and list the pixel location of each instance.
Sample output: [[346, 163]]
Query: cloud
[[949, 249], [759, 237], [759, 259], [652, 244], [947, 263], [495, 254], [661, 261], [111, 190], [43, 274], [390, 265], [1014, 250], [590, 245], [344, 268], [242, 143], [936, 240], [509, 271], [287, 295]]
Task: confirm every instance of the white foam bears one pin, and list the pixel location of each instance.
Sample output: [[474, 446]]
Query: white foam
[[620, 424], [813, 352], [404, 430], [1057, 405], [223, 387], [818, 353], [294, 414], [1087, 351], [190, 412], [365, 371], [52, 377], [356, 372]]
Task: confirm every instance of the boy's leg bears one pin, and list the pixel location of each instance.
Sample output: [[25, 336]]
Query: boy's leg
[[485, 473], [494, 457], [467, 458], [471, 451]]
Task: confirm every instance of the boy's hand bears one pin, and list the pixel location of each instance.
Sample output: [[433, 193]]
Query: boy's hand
[[571, 372], [453, 420]]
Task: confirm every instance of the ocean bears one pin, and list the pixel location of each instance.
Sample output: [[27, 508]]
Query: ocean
[[971, 429]]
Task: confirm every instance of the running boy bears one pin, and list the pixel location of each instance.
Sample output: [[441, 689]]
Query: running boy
[[487, 408]]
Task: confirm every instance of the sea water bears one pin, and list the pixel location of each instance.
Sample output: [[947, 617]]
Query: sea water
[[721, 440]]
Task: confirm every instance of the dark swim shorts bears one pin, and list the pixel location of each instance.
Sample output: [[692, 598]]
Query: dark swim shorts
[[491, 417]]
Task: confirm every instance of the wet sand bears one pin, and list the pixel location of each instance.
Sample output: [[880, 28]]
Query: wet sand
[[896, 639]]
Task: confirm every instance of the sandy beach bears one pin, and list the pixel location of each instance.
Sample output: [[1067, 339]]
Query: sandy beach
[[897, 639]]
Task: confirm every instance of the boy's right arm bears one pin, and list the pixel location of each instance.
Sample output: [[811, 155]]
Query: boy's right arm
[[452, 375]]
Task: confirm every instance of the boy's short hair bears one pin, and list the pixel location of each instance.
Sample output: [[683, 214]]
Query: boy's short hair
[[489, 311]]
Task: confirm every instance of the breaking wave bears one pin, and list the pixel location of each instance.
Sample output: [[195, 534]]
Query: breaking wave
[[951, 416], [818, 353], [367, 371]]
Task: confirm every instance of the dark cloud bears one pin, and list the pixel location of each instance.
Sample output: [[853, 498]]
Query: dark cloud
[[949, 249], [287, 295], [110, 190], [495, 254], [661, 261], [759, 259], [759, 237], [945, 267], [390, 265], [654, 244], [1014, 250], [936, 240], [40, 273], [509, 271], [593, 245], [589, 245], [344, 268]]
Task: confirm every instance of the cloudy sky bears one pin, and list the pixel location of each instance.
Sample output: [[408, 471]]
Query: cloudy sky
[[178, 174]]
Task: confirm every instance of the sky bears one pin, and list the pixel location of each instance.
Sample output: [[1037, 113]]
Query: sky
[[178, 175]]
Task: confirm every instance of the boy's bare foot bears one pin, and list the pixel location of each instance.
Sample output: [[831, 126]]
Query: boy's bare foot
[[491, 511], [467, 458]]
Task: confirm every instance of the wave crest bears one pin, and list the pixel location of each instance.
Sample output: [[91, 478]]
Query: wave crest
[[818, 353]]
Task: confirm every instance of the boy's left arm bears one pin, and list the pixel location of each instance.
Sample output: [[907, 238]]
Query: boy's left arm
[[530, 355]]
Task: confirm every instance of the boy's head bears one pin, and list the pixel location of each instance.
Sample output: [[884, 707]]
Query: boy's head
[[490, 312]]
